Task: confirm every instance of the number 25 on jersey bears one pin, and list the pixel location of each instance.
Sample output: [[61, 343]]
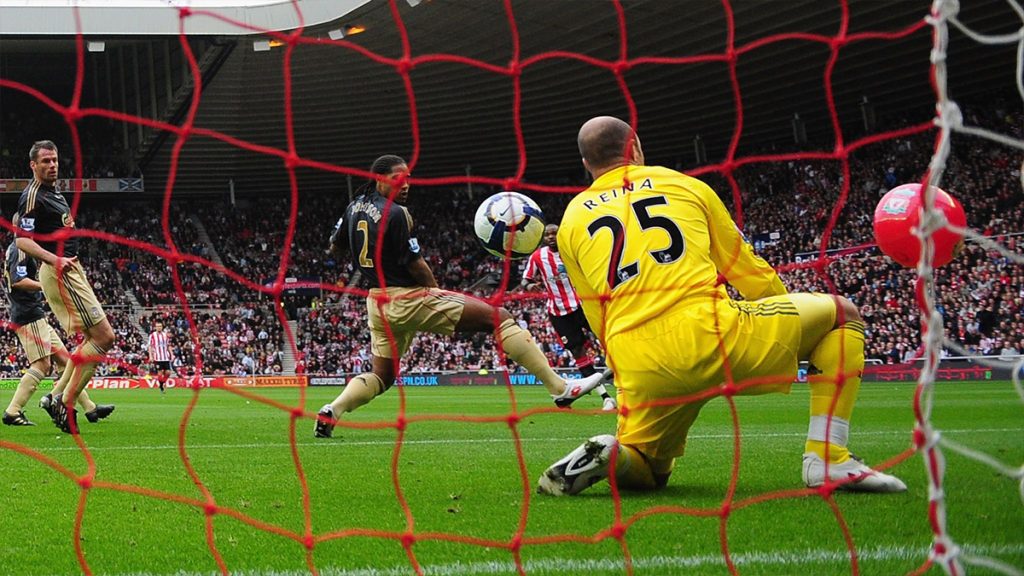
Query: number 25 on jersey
[[618, 273]]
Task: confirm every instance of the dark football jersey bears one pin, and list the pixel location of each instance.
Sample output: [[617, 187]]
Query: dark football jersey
[[360, 230], [44, 210], [26, 305]]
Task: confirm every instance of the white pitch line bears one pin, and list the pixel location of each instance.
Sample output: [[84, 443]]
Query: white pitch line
[[344, 442], [788, 559]]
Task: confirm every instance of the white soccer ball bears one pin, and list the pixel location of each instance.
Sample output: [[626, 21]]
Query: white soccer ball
[[509, 223]]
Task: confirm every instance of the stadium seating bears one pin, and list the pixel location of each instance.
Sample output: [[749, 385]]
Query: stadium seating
[[982, 294]]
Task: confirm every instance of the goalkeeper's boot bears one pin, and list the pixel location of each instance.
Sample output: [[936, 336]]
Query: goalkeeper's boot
[[578, 387], [853, 475], [100, 412], [324, 422], [581, 469], [18, 419]]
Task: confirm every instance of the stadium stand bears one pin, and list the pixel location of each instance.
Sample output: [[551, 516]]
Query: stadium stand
[[240, 334]]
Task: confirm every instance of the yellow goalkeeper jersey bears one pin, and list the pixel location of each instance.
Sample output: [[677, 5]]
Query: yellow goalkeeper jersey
[[645, 240]]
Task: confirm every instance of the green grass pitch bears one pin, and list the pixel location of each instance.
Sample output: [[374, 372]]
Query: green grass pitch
[[467, 498]]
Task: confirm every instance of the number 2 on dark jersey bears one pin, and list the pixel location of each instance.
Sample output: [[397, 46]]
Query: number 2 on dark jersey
[[363, 227]]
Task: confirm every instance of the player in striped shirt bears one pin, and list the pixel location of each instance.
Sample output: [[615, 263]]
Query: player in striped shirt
[[160, 353], [545, 268]]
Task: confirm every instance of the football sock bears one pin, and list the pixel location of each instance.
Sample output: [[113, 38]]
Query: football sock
[[359, 390], [93, 354], [85, 402], [520, 347], [26, 387], [840, 357], [586, 366], [65, 377]]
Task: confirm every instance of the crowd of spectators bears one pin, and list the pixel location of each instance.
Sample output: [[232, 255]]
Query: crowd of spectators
[[239, 341], [102, 153], [786, 209], [125, 356], [980, 294], [148, 276]]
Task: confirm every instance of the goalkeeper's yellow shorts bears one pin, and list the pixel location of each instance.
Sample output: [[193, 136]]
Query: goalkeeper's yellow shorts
[[666, 369]]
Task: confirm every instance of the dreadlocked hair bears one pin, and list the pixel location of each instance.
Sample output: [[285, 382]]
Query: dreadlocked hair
[[380, 167]]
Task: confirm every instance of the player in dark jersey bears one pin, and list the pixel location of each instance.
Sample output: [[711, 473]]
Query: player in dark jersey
[[45, 211], [42, 346], [404, 298]]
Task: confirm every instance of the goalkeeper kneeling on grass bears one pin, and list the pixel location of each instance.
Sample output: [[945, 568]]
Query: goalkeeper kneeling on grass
[[645, 247]]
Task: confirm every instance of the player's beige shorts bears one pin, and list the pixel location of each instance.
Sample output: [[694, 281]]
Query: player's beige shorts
[[71, 299], [681, 355], [408, 311], [39, 340]]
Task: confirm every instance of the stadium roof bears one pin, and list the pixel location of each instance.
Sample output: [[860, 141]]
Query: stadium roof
[[143, 17], [349, 107]]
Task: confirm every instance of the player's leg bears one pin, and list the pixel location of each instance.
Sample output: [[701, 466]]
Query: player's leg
[[661, 395], [74, 303], [98, 339], [363, 388], [61, 362], [14, 415], [832, 340], [60, 359], [642, 455], [574, 331], [37, 340], [596, 459], [479, 316]]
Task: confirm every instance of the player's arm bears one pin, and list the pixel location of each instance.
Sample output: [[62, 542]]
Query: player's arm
[[422, 273], [735, 257], [27, 225], [407, 247], [531, 278], [17, 272], [27, 285], [339, 239]]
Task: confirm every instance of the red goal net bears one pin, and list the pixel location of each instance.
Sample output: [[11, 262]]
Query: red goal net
[[745, 174]]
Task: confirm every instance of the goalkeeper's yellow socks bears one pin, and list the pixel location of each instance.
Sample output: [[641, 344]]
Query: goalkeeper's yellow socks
[[840, 357], [520, 347]]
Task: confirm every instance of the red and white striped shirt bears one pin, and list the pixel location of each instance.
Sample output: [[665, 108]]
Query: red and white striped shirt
[[562, 298], [159, 347]]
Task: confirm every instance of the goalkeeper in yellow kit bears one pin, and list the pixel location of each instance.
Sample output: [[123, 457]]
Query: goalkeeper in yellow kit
[[645, 247]]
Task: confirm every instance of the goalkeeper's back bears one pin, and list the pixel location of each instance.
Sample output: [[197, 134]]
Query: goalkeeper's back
[[643, 241]]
